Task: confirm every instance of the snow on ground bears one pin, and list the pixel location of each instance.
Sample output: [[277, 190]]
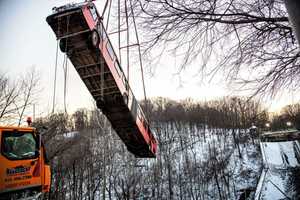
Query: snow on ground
[[281, 155], [244, 172], [277, 185], [246, 169], [280, 178]]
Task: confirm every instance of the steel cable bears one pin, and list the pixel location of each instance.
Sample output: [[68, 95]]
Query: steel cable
[[55, 77]]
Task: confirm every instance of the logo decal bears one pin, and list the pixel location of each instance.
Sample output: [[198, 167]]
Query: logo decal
[[17, 170]]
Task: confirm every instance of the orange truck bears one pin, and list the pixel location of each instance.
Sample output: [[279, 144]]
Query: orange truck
[[24, 168]]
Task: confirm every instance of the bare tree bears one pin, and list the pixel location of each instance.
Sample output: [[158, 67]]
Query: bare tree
[[28, 91], [8, 95], [250, 41], [292, 112], [17, 96]]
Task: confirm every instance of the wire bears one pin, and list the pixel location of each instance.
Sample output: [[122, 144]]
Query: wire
[[104, 9], [140, 60], [139, 49], [127, 48], [126, 7], [110, 2], [65, 68], [55, 77], [119, 31]]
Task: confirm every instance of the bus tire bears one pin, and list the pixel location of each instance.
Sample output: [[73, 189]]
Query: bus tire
[[63, 45], [95, 39], [125, 98]]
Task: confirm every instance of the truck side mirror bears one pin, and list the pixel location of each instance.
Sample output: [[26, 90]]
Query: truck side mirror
[[37, 153], [38, 140]]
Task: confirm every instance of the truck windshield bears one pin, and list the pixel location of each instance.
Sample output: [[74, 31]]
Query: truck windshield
[[19, 145]]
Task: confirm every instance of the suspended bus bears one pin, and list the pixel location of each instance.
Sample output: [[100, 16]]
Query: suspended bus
[[81, 34]]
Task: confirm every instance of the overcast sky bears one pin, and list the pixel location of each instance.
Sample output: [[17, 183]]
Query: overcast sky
[[27, 40]]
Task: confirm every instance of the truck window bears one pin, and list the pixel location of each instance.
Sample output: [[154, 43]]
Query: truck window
[[19, 145]]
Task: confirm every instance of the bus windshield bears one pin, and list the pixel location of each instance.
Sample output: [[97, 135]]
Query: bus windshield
[[19, 145]]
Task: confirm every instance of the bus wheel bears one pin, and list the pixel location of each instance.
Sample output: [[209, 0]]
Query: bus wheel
[[125, 98], [95, 39], [63, 45]]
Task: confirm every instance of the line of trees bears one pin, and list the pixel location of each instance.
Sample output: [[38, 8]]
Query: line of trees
[[227, 112], [289, 114]]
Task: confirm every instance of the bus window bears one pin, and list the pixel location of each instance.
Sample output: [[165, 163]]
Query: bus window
[[100, 31], [104, 35], [110, 50], [94, 12]]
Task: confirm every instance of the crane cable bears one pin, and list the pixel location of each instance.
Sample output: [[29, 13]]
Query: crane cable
[[104, 9], [139, 50], [128, 46], [119, 32], [147, 111], [108, 14], [55, 77], [55, 72], [65, 68], [127, 39]]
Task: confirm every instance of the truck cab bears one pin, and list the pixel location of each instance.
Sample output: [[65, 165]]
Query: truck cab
[[24, 167]]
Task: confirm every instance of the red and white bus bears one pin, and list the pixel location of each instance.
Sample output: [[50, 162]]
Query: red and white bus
[[83, 38]]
